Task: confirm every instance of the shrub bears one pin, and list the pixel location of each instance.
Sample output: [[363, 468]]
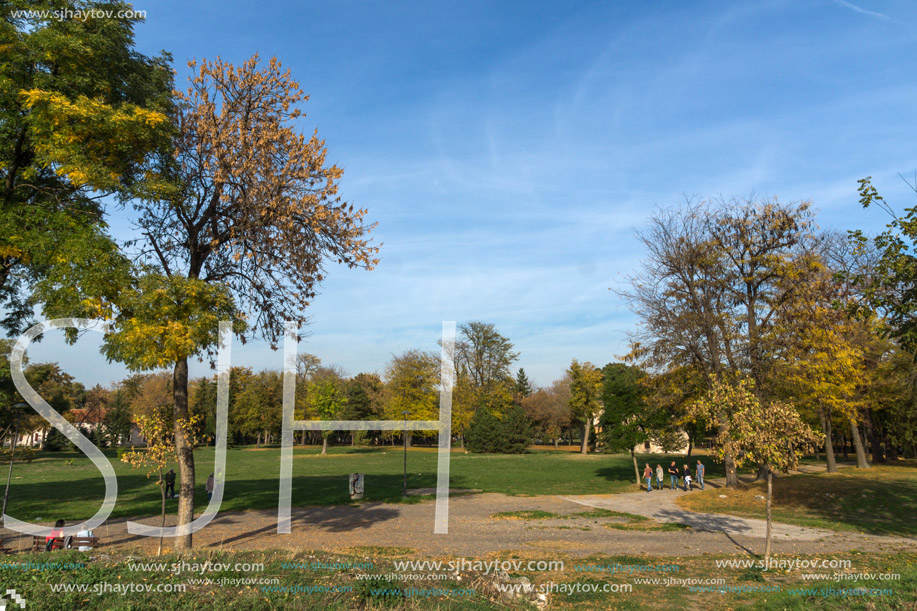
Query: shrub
[[512, 435]]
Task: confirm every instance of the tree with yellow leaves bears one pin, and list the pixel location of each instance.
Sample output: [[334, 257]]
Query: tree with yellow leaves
[[769, 434], [243, 232], [411, 381], [818, 360], [157, 429], [83, 116], [585, 396]]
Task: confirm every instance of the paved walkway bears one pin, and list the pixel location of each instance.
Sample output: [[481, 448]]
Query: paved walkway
[[660, 505]]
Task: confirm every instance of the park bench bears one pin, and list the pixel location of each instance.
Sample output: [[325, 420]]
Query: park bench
[[40, 544]]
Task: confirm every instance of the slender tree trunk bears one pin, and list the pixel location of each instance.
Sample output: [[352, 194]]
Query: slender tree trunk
[[258, 440], [162, 490], [587, 425], [636, 470], [829, 441], [184, 450], [690, 445], [556, 443], [767, 537], [862, 463], [324, 445], [409, 439]]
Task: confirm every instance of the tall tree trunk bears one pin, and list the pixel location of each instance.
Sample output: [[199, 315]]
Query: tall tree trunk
[[324, 445], [862, 463], [556, 443], [258, 440], [729, 464], [409, 439], [690, 445], [184, 450], [587, 425], [829, 441], [874, 440], [767, 536], [636, 470]]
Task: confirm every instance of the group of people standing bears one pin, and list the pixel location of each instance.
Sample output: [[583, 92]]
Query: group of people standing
[[675, 474], [170, 485]]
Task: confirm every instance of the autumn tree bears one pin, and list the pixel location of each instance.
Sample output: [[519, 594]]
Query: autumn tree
[[242, 232], [82, 114], [549, 409], [464, 404], [325, 398], [585, 397], [159, 451], [888, 291], [411, 380], [817, 361], [770, 434], [258, 406], [363, 400], [708, 291], [306, 367]]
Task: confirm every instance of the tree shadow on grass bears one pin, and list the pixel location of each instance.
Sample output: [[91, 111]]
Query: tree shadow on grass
[[881, 505]]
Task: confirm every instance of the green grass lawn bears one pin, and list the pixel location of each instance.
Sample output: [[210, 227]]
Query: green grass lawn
[[49, 487], [322, 580], [881, 500]]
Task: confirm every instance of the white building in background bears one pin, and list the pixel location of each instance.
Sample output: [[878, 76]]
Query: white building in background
[[650, 447], [87, 420]]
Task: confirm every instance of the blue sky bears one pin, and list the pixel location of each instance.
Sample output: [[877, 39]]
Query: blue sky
[[509, 150]]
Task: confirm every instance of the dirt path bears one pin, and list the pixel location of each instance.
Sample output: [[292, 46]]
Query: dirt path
[[473, 532]]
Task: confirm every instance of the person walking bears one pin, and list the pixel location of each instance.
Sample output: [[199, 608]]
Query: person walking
[[209, 486], [700, 474], [673, 475], [660, 475], [686, 476], [170, 484], [648, 476]]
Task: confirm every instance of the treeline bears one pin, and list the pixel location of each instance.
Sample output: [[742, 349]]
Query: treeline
[[492, 409], [103, 415], [751, 294]]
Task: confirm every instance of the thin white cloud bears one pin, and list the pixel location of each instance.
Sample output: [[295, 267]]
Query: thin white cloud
[[854, 7]]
